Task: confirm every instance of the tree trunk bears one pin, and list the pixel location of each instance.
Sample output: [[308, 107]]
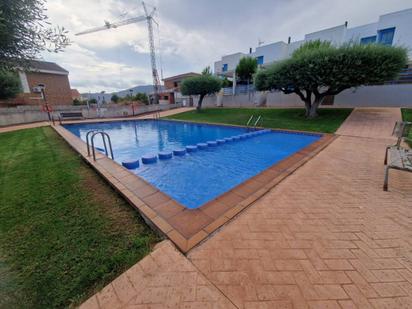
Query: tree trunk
[[199, 104], [313, 112], [308, 106]]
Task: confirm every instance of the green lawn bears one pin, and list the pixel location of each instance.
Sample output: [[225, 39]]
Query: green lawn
[[328, 121], [64, 232], [407, 116]]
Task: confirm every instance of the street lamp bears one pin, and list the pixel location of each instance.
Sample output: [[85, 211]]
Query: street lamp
[[42, 88], [99, 104]]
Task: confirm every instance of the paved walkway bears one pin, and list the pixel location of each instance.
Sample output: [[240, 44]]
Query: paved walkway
[[24, 126], [370, 122], [163, 279], [326, 237]]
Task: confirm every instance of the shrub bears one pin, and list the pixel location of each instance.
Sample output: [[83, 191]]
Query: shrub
[[9, 85], [115, 98]]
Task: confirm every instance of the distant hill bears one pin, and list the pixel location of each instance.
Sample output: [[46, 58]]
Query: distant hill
[[122, 93]]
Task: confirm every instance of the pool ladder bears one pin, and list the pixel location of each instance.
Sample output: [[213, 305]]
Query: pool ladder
[[251, 119], [156, 115], [90, 143]]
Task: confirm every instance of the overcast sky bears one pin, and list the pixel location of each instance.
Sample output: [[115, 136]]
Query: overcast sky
[[192, 34]]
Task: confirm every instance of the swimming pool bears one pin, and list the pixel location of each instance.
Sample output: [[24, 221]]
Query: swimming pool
[[200, 176]]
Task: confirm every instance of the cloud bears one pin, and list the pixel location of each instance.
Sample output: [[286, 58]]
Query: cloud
[[192, 34], [90, 73]]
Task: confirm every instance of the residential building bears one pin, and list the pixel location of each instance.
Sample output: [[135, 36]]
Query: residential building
[[390, 29], [171, 92], [43, 81], [76, 94]]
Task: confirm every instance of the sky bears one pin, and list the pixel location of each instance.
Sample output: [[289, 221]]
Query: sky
[[191, 35]]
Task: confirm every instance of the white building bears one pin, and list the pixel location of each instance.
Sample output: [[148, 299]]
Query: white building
[[391, 29]]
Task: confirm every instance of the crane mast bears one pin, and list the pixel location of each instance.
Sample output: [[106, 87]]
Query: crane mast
[[149, 19], [155, 74]]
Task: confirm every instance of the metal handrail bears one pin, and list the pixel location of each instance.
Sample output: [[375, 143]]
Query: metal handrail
[[87, 141], [256, 122], [156, 115], [104, 135], [250, 119]]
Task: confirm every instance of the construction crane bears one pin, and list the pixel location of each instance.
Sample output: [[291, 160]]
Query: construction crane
[[149, 19]]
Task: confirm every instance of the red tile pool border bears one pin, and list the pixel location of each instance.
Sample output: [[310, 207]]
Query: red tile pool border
[[188, 227]]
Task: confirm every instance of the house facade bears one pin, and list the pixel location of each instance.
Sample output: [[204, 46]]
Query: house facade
[[44, 81], [171, 93], [390, 29]]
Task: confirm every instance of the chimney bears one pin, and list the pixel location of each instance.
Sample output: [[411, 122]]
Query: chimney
[[250, 50], [289, 40], [346, 24]]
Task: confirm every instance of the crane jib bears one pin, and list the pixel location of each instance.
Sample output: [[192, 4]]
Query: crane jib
[[149, 18]]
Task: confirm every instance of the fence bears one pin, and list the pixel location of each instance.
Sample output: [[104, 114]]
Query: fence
[[239, 89]]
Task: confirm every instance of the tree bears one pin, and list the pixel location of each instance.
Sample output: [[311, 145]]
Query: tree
[[201, 86], [246, 67], [114, 98], [9, 85], [92, 101], [318, 69], [25, 32], [226, 83], [142, 97], [78, 102], [207, 71]]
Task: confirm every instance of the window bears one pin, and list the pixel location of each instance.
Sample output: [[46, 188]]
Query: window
[[224, 68], [385, 36], [175, 84], [368, 39], [259, 60]]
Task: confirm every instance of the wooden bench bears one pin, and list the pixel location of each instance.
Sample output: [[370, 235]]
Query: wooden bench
[[70, 116], [396, 156], [399, 159]]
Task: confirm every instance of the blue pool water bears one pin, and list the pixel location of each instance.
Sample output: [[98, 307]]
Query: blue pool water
[[200, 176]]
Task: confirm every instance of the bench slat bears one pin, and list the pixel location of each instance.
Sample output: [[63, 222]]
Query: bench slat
[[71, 114], [400, 158]]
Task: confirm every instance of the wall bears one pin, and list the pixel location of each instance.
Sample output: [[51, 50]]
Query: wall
[[402, 20], [273, 99], [231, 61], [57, 89], [334, 35], [28, 114], [370, 96], [271, 52], [386, 96], [355, 34], [169, 84]]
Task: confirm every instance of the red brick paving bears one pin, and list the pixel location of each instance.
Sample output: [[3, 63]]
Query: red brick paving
[[325, 237], [163, 279]]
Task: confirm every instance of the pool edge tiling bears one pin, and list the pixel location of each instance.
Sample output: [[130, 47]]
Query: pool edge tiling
[[188, 227]]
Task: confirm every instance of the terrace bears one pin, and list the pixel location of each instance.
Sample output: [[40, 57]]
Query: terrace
[[324, 234]]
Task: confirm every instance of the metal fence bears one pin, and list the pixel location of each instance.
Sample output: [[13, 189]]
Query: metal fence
[[240, 89]]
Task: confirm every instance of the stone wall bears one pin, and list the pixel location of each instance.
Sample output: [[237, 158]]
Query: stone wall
[[28, 114], [397, 95]]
